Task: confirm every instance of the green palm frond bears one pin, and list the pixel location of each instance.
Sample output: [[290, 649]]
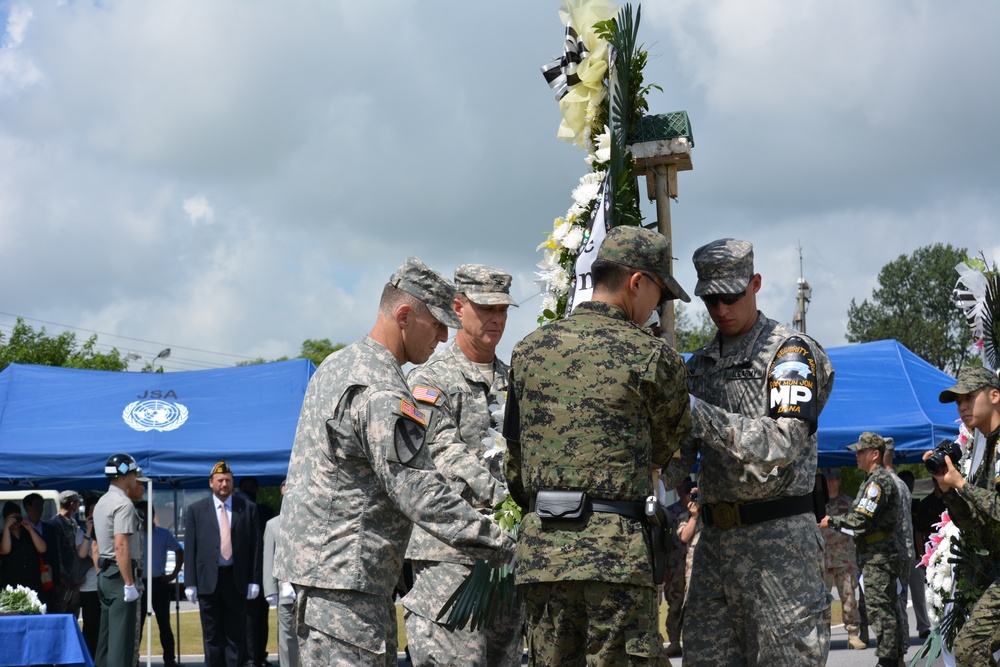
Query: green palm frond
[[487, 595]]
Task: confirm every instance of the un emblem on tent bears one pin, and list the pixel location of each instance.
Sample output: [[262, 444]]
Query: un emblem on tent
[[154, 415]]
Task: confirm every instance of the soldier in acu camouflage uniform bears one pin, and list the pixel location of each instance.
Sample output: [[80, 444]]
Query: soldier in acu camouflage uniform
[[359, 478], [842, 560], [976, 504], [595, 405], [757, 595], [455, 391], [874, 521]]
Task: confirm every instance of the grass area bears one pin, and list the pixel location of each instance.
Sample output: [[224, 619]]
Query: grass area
[[190, 638]]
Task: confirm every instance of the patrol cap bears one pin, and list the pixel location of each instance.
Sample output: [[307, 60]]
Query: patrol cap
[[970, 379], [221, 468], [67, 497], [868, 440], [420, 281], [832, 473], [484, 285], [642, 250], [724, 266]]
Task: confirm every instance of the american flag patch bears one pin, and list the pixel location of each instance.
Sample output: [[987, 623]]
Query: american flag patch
[[411, 411], [426, 394]]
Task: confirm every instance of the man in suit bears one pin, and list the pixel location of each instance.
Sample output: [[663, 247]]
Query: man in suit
[[222, 543]]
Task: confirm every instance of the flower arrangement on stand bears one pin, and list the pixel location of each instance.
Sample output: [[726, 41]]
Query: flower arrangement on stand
[[20, 600]]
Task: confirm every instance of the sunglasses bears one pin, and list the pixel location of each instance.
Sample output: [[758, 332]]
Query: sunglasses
[[728, 299], [663, 292]]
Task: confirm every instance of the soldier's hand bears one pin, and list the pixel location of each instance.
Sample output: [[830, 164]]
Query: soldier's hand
[[825, 522], [950, 478], [131, 593], [505, 554]]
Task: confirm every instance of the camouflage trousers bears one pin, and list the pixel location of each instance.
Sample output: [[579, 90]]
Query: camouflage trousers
[[431, 643], [345, 628], [844, 579], [880, 572], [673, 593], [592, 623], [757, 597], [980, 636]]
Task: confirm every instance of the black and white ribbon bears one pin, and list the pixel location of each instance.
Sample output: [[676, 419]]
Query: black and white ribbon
[[561, 72]]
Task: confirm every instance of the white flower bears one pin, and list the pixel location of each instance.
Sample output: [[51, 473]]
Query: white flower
[[590, 186], [575, 211], [560, 231], [550, 302], [602, 152], [573, 239]]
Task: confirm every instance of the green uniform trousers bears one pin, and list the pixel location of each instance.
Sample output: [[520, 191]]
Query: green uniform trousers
[[980, 636], [593, 623], [116, 639], [880, 571]]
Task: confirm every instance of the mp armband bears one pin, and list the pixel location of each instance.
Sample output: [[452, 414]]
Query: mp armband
[[791, 382]]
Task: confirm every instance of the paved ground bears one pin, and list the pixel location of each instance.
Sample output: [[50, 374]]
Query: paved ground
[[840, 655]]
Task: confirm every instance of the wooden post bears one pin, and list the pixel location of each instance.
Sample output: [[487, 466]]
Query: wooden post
[[665, 176]]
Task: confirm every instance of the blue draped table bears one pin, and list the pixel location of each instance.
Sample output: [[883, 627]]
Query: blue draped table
[[49, 639]]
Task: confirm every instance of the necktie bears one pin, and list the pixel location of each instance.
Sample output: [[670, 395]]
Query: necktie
[[225, 538]]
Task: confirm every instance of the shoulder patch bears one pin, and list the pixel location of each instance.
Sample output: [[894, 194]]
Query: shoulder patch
[[411, 411], [426, 394], [408, 438], [873, 490]]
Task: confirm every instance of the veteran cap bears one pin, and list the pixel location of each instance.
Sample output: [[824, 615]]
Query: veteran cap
[[67, 497], [724, 266], [484, 285], [868, 440], [970, 378], [420, 281], [642, 250], [832, 473], [221, 468]]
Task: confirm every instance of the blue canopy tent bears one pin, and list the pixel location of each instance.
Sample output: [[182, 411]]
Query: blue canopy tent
[[883, 387], [59, 425]]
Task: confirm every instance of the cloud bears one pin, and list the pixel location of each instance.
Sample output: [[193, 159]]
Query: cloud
[[17, 71], [198, 210]]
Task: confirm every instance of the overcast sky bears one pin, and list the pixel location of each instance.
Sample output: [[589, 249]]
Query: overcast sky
[[233, 177]]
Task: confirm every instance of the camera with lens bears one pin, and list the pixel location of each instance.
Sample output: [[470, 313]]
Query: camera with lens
[[694, 496], [935, 462]]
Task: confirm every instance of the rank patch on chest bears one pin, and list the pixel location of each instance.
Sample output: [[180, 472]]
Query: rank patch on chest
[[426, 394], [411, 411]]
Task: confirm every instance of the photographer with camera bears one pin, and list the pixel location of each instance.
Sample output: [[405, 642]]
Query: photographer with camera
[[977, 394], [873, 521]]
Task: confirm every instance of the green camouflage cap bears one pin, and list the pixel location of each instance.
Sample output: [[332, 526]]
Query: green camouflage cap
[[484, 285], [724, 266], [868, 440], [970, 378], [642, 250], [434, 291]]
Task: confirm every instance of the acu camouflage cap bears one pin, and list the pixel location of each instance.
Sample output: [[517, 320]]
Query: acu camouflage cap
[[868, 440], [642, 250], [434, 291], [484, 285], [724, 266], [970, 378]]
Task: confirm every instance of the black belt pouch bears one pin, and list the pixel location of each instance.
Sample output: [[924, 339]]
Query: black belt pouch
[[560, 505]]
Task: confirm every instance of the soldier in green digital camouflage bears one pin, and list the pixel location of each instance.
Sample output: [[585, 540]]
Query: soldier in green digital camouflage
[[595, 405], [976, 503], [874, 521], [757, 597], [360, 477], [455, 390]]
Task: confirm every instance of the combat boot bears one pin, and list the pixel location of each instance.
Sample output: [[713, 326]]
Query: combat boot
[[854, 642], [674, 650]]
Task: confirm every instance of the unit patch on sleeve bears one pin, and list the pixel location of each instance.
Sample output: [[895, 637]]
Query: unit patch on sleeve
[[426, 394]]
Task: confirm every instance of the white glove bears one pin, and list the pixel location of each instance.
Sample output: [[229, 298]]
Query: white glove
[[287, 591], [272, 600], [191, 593], [131, 593], [253, 590]]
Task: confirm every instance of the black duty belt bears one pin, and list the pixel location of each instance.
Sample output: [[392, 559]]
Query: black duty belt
[[726, 515], [105, 563], [626, 508]]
